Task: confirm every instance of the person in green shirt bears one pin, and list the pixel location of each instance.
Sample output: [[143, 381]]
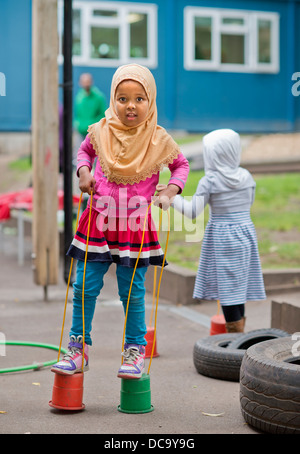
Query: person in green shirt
[[90, 104]]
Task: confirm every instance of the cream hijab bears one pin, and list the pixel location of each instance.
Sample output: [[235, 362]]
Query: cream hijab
[[130, 154], [221, 155]]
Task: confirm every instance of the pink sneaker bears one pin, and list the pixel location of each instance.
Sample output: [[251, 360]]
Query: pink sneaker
[[72, 361], [134, 361]]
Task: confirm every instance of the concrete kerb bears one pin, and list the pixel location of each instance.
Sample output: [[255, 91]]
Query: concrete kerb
[[178, 283]]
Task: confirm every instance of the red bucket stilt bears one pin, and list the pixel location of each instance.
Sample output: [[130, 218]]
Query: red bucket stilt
[[217, 325], [150, 339], [67, 392]]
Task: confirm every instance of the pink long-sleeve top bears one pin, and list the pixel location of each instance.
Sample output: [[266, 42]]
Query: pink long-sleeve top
[[121, 200]]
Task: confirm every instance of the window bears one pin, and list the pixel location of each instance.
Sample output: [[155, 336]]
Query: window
[[203, 48], [231, 40], [111, 34], [76, 32]]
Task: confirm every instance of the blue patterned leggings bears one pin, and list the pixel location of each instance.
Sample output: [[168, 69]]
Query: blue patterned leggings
[[95, 271]]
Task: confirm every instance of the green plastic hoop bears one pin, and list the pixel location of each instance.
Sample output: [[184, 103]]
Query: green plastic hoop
[[34, 366]]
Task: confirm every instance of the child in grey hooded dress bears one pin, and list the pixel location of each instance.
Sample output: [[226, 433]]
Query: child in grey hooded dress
[[229, 266]]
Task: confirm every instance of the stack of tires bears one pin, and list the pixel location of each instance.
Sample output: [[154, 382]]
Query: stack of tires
[[269, 375]]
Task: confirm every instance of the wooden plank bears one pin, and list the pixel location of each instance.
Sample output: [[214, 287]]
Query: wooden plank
[[45, 148], [285, 316]]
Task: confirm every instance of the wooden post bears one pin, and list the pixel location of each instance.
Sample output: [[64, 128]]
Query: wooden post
[[45, 147]]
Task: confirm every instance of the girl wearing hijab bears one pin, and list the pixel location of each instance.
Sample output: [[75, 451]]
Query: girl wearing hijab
[[229, 267], [130, 149]]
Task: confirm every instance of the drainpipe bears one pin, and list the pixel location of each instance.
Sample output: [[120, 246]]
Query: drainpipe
[[170, 62], [291, 61], [67, 134]]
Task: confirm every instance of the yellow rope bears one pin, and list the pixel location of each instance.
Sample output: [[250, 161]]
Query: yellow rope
[[129, 293], [158, 289], [135, 266], [68, 285], [155, 273], [83, 282], [153, 295]]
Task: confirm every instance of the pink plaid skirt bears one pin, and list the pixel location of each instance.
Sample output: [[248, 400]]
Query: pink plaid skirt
[[116, 240]]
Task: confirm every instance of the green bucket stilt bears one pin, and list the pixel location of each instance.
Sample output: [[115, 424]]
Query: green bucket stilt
[[135, 396]]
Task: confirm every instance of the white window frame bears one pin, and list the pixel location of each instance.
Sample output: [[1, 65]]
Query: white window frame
[[249, 29], [122, 8]]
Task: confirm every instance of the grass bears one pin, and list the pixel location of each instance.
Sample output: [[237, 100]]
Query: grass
[[275, 213], [15, 175], [277, 202], [276, 254], [22, 164], [189, 138]]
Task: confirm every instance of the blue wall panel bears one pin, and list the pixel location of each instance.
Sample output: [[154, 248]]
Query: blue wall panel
[[192, 100], [15, 63]]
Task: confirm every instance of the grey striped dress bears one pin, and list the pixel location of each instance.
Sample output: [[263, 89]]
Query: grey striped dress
[[229, 266]]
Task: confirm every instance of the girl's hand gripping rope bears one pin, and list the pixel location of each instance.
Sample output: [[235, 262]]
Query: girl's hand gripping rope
[[86, 180], [165, 195]]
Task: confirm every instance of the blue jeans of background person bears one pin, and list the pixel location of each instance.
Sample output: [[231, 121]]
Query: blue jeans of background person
[[95, 271]]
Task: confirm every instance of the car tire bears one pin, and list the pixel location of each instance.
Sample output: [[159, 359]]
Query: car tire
[[256, 336], [220, 356], [214, 358], [270, 387]]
